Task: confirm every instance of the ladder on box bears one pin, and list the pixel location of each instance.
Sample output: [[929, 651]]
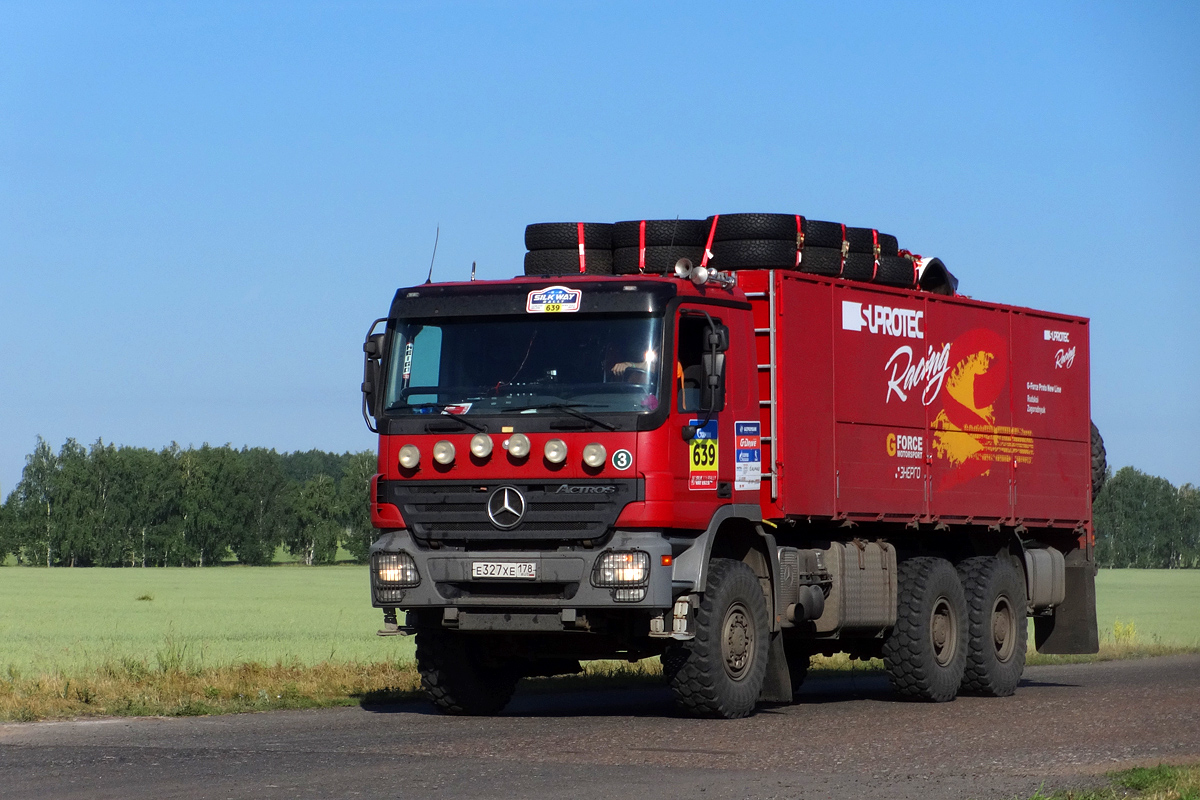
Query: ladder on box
[[764, 312]]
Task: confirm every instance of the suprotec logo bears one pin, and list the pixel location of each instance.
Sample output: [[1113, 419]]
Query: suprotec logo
[[902, 322]]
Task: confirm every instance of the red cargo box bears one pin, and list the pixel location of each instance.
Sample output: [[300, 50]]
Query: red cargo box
[[905, 406]]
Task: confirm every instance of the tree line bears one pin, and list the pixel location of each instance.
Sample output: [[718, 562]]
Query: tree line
[[113, 506], [1144, 521], [128, 506]]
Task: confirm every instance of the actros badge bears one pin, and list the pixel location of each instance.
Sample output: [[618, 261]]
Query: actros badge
[[506, 507]]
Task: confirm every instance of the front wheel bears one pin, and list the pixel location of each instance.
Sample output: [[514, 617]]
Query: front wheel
[[720, 672], [459, 676]]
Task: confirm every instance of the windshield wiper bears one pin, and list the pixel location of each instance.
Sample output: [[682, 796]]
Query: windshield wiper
[[456, 417], [567, 407]]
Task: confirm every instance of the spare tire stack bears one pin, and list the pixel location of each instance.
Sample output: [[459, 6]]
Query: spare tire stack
[[652, 246], [568, 248], [734, 242]]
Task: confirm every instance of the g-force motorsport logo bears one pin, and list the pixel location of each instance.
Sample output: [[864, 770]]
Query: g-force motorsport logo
[[553, 300]]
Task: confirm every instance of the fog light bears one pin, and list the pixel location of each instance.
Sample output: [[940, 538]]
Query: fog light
[[481, 445], [410, 456], [629, 595], [394, 570], [518, 445], [443, 452], [622, 568], [594, 455], [556, 451]]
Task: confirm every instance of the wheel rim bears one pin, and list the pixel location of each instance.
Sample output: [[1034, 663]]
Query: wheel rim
[[943, 632], [1004, 628], [737, 641]]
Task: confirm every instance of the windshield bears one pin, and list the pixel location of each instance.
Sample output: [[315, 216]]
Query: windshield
[[548, 364]]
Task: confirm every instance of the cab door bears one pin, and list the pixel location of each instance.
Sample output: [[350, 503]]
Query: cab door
[[701, 439]]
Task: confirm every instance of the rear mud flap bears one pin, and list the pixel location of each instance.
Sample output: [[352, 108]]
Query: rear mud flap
[[1072, 628]]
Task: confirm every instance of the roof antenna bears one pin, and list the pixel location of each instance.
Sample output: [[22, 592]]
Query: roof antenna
[[436, 236], [472, 270]]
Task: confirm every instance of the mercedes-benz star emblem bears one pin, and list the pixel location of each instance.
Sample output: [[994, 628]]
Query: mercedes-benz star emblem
[[506, 507]]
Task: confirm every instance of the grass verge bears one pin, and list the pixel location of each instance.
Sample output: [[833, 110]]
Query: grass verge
[[1141, 783]]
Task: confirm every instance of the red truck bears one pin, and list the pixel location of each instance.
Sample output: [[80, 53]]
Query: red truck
[[733, 471]]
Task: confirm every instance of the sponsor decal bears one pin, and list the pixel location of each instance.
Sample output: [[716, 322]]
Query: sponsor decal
[[905, 446], [1064, 359], [702, 456], [622, 459], [457, 408], [900, 322], [904, 375], [567, 488], [1032, 401], [747, 450], [553, 300], [1057, 336], [965, 433]]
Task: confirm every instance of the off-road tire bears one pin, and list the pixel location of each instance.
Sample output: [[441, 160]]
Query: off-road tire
[[888, 245], [458, 675], [821, 261], [720, 673], [997, 629], [896, 271], [660, 233], [566, 262], [925, 655], [1099, 463], [863, 240], [561, 235], [752, 226], [659, 260], [818, 233], [859, 267], [754, 254]]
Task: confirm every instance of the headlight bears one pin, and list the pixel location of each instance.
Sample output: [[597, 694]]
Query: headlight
[[594, 455], [443, 452], [410, 456], [481, 445], [556, 451], [518, 445], [622, 568], [391, 573]]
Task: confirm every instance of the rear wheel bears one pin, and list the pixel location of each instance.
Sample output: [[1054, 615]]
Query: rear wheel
[[459, 675], [720, 672], [996, 626], [925, 655]]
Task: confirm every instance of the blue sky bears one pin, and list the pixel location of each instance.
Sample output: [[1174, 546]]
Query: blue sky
[[203, 206]]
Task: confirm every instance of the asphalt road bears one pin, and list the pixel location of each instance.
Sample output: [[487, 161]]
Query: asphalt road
[[845, 738]]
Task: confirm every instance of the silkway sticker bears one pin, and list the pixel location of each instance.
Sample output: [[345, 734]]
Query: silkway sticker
[[553, 300], [747, 456], [702, 461]]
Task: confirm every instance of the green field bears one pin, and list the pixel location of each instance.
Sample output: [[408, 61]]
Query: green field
[[72, 619]]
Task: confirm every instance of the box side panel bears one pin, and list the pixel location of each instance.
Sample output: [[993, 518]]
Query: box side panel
[[806, 380], [881, 350], [1051, 400], [973, 442]]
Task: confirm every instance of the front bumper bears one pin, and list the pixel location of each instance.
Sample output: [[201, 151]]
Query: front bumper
[[564, 577]]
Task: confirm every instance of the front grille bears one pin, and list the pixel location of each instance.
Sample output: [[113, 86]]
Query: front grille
[[453, 512]]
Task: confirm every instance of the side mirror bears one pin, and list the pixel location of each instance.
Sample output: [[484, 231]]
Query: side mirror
[[372, 369]]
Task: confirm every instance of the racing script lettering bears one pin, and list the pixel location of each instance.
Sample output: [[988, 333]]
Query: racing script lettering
[[905, 375]]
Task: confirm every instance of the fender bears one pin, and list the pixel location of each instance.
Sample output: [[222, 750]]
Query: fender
[[691, 566]]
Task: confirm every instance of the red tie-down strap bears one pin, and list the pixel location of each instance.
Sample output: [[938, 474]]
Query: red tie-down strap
[[875, 250], [642, 247], [582, 248], [915, 259], [708, 246], [845, 249], [799, 239]]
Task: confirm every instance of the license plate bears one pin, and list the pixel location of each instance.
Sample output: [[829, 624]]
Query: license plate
[[521, 570]]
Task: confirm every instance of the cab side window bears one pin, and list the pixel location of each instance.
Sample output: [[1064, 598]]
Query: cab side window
[[690, 347]]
